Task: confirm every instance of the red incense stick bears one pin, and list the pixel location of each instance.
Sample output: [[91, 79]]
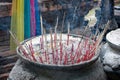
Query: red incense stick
[[65, 59], [52, 45], [78, 51], [45, 54], [40, 59], [41, 43], [56, 56], [71, 56], [32, 51], [24, 52], [67, 39], [61, 52], [18, 44]]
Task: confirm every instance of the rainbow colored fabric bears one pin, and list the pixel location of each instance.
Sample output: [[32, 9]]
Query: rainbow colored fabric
[[25, 20]]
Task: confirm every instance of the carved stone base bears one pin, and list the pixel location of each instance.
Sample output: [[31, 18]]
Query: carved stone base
[[22, 71]]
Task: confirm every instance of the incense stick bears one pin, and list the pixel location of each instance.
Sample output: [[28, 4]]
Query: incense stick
[[83, 34], [63, 22], [98, 41], [56, 25], [62, 27], [61, 52], [55, 35], [55, 41], [32, 51], [68, 33], [72, 56], [52, 45], [80, 42], [42, 29], [18, 44], [102, 34], [14, 38], [41, 24], [65, 58], [51, 39]]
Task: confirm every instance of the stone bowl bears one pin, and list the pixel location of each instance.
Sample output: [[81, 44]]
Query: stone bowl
[[113, 39], [80, 65]]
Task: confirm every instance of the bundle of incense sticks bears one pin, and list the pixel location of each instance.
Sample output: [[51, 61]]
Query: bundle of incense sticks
[[62, 53], [61, 49], [18, 44]]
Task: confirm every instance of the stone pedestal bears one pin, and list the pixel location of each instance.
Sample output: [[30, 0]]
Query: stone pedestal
[[111, 61], [110, 55], [21, 71]]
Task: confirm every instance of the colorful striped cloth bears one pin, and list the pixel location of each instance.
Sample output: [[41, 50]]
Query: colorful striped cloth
[[33, 22], [25, 21], [13, 23], [37, 17], [27, 29]]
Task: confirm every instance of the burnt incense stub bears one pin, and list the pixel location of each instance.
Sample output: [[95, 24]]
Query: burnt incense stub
[[61, 50]]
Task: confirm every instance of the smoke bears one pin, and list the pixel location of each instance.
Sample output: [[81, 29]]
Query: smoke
[[72, 11]]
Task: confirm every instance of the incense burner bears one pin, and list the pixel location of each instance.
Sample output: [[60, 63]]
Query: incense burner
[[113, 38], [60, 71], [57, 60]]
